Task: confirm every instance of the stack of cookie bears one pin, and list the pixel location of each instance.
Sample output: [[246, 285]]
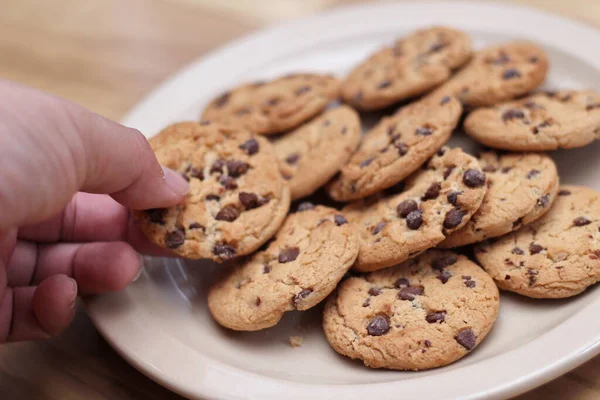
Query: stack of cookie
[[396, 198]]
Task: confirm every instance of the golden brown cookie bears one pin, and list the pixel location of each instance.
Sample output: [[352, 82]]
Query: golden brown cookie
[[313, 153], [412, 66], [396, 147], [311, 253], [521, 188], [556, 256], [275, 106], [424, 313], [498, 73], [543, 121], [237, 197], [437, 201]]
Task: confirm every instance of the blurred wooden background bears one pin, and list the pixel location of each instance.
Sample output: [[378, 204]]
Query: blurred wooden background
[[106, 55]]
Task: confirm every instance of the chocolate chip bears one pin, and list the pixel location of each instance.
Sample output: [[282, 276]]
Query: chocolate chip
[[443, 261], [227, 213], [543, 201], [433, 191], [531, 273], [532, 105], [427, 343], [222, 99], [378, 326], [448, 171], [301, 296], [517, 250], [424, 131], [410, 292], [303, 89], [384, 84], [228, 182], [217, 167], [288, 254], [532, 173], [377, 228], [506, 277], [258, 301], [511, 114], [212, 197], [273, 101], [414, 219], [306, 205], [590, 107], [266, 269], [544, 124], [533, 59], [452, 197], [401, 282], [250, 146], [195, 225], [466, 338], [470, 283], [374, 291], [437, 47], [406, 207], [236, 168], [445, 99], [251, 200], [195, 173], [564, 193], [441, 152], [444, 275], [402, 148], [367, 302], [339, 220], [581, 221], [506, 170], [366, 162], [510, 74], [535, 248], [224, 251], [453, 218], [474, 178], [292, 158], [156, 215], [175, 238], [436, 316]]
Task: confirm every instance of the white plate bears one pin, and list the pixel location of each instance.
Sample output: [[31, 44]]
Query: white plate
[[161, 325]]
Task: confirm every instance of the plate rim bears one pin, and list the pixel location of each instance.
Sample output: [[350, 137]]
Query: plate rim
[[133, 350]]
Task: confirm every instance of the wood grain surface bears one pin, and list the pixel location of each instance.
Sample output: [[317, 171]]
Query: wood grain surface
[[106, 55]]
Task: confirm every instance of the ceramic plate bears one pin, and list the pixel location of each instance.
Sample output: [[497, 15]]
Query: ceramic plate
[[161, 324]]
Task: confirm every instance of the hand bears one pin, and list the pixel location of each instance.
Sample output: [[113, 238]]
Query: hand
[[54, 241]]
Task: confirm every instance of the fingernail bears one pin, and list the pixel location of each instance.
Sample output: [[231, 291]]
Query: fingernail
[[140, 270], [176, 181], [73, 288]]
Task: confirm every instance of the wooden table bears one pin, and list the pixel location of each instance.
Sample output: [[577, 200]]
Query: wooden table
[[106, 55]]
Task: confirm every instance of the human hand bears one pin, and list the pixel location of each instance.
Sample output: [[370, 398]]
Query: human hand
[[54, 241]]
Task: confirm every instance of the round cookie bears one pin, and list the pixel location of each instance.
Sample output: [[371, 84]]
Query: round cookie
[[311, 253], [497, 74], [396, 147], [521, 188], [424, 313], [237, 197], [412, 66], [437, 201], [312, 154], [275, 106], [543, 121], [554, 257]]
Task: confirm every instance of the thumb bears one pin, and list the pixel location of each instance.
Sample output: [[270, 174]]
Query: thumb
[[52, 148]]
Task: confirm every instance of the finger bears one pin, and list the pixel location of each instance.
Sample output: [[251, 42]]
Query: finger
[[52, 148], [97, 267], [92, 217], [37, 312]]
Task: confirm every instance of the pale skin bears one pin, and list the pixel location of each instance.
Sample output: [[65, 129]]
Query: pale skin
[[67, 180]]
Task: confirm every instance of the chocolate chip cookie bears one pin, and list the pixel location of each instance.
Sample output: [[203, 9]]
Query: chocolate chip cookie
[[275, 106], [311, 253], [556, 256], [497, 74], [412, 66], [396, 147], [312, 154], [543, 121], [424, 313], [437, 201], [521, 188], [237, 197]]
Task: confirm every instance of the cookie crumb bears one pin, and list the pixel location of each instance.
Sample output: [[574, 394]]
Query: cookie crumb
[[296, 341]]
